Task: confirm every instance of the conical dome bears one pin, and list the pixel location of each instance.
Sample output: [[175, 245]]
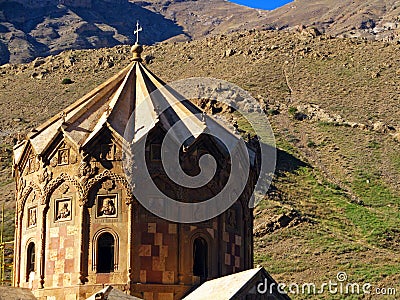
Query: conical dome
[[111, 105]]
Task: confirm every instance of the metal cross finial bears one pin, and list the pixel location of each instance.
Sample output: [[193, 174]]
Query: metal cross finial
[[138, 29]]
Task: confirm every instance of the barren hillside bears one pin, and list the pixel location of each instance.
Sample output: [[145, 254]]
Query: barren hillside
[[41, 30], [370, 19], [46, 28]]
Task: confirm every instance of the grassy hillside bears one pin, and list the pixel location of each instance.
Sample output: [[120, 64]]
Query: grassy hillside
[[333, 104]]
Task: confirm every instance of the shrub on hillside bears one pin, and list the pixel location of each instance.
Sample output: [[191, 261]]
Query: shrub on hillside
[[66, 81]]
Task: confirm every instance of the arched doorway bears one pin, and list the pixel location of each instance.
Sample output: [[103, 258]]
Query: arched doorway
[[105, 253], [30, 260], [200, 258]]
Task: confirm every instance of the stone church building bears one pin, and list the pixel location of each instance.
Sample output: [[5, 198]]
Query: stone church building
[[79, 226]]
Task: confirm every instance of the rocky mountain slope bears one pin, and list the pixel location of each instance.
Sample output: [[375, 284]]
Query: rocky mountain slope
[[29, 29], [335, 201], [352, 18], [45, 29]]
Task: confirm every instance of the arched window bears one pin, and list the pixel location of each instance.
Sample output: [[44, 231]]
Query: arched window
[[30, 260], [105, 253], [200, 258]]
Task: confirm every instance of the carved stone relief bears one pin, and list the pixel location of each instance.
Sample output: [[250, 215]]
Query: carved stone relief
[[116, 178], [31, 198], [110, 152], [63, 156], [61, 183], [63, 210], [63, 189], [73, 157], [21, 185], [29, 194], [107, 152], [32, 216], [108, 185], [106, 206], [85, 170], [54, 161], [32, 164], [45, 176]]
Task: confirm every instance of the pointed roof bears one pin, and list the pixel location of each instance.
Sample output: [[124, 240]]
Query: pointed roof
[[134, 91]]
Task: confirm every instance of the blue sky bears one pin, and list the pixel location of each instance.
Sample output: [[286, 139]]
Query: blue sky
[[263, 4]]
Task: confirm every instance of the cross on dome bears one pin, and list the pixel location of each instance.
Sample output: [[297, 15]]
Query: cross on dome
[[137, 49], [136, 31]]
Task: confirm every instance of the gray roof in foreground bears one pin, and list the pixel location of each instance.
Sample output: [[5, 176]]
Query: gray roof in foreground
[[238, 286]]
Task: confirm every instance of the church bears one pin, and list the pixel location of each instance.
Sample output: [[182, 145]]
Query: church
[[79, 224]]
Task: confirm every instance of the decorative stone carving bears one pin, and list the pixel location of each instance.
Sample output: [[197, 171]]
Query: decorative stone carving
[[45, 176], [26, 193], [54, 161], [110, 175], [85, 170], [32, 217], [32, 164], [52, 186], [63, 210], [129, 162], [63, 154], [21, 186], [107, 151], [106, 206], [117, 153], [32, 196], [73, 159], [108, 185], [63, 188]]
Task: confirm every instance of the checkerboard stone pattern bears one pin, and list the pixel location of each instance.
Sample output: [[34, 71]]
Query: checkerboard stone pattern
[[233, 252], [61, 255], [157, 252]]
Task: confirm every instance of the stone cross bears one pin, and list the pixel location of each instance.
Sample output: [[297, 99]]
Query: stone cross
[[138, 29]]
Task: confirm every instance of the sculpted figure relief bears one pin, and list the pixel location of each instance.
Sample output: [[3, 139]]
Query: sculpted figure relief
[[108, 207], [32, 217], [64, 212], [63, 158]]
